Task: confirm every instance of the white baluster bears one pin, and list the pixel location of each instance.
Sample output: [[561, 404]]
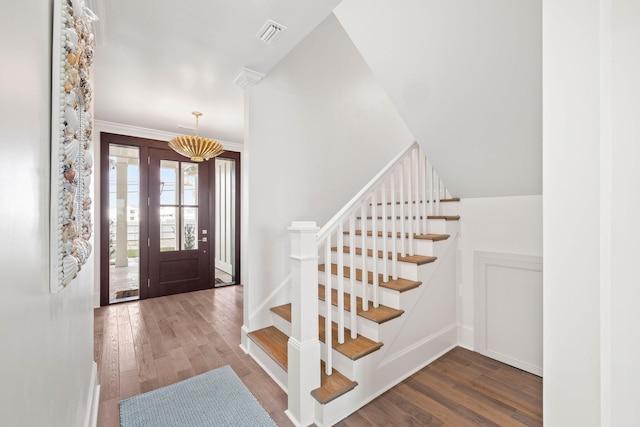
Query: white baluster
[[437, 203], [403, 251], [410, 202], [352, 273], [385, 262], [415, 158], [340, 254], [327, 297], [374, 247], [425, 167], [430, 186], [363, 221], [394, 238]]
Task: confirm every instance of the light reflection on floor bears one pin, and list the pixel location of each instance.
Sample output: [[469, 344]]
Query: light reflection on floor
[[126, 281]]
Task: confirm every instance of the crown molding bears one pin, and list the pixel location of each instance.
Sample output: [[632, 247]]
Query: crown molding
[[247, 77], [160, 135]]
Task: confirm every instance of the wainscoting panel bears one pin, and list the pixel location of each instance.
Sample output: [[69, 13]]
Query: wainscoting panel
[[508, 309]]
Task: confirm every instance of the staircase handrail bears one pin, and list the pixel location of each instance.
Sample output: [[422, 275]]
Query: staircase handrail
[[360, 197]]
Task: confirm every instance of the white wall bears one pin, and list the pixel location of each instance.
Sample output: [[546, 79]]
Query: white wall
[[591, 206], [623, 216], [511, 225], [466, 77], [319, 128], [47, 340]]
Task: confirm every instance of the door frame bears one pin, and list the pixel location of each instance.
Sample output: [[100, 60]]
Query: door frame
[[231, 155], [143, 145]]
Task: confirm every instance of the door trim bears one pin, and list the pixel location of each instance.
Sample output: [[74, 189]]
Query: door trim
[[231, 155]]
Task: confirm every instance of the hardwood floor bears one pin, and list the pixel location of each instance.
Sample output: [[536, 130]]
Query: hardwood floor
[[144, 345], [462, 388]]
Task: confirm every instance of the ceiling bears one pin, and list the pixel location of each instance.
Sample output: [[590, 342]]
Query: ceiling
[[156, 61]]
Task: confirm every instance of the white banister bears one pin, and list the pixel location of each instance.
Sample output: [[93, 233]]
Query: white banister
[[303, 345], [363, 194]]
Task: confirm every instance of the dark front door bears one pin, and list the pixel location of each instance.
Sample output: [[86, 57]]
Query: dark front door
[[178, 224]]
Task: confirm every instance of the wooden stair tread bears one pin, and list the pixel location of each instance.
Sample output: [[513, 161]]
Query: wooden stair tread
[[379, 315], [283, 311], [445, 217], [333, 386], [354, 349], [434, 237], [452, 199], [413, 259], [273, 342], [400, 284]]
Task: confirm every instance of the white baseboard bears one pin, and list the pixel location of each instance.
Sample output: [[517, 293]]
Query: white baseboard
[[93, 399], [465, 337]]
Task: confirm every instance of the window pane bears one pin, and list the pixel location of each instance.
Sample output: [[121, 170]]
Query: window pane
[[225, 226], [190, 184], [169, 182], [168, 230], [189, 228], [124, 225]]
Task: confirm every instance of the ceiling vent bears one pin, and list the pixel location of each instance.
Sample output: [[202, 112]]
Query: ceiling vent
[[270, 32]]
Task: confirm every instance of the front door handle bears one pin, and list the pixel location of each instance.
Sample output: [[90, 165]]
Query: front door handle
[[204, 239]]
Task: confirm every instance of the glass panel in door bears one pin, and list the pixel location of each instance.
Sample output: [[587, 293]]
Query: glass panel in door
[[225, 221], [124, 223]]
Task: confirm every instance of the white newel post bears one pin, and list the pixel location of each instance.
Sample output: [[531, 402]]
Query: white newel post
[[304, 346]]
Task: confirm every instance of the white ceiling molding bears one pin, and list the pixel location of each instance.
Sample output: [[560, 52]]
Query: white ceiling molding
[[247, 76], [140, 132]]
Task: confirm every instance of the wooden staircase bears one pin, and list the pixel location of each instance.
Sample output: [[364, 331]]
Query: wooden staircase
[[385, 271], [272, 340]]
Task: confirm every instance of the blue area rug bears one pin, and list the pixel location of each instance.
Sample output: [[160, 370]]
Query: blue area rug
[[215, 398]]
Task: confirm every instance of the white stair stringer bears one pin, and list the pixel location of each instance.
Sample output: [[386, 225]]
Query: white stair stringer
[[425, 331]]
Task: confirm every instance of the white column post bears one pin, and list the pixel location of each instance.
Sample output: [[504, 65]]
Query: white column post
[[304, 346]]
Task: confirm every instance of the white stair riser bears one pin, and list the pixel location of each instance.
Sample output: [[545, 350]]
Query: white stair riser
[[435, 226], [405, 270], [420, 247], [387, 297], [340, 362], [268, 364], [283, 325], [364, 327]]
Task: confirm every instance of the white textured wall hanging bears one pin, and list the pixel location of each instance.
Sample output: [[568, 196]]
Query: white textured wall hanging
[[71, 136]]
